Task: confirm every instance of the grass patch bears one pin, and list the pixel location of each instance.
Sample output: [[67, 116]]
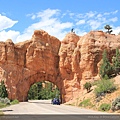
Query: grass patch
[[2, 105], [104, 107], [86, 103]]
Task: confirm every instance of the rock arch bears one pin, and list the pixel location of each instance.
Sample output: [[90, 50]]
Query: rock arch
[[24, 87], [28, 62]]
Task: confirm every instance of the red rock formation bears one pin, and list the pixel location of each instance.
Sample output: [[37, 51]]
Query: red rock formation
[[67, 64], [28, 62], [80, 59]]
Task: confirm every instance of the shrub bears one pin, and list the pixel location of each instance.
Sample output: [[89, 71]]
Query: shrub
[[104, 86], [7, 101], [14, 102], [87, 86], [104, 107], [85, 103], [116, 104], [2, 100]]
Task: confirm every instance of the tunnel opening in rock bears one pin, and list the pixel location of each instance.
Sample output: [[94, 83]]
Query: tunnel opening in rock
[[44, 90], [24, 86]]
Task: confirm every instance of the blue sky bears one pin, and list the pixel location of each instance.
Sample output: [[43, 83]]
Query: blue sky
[[19, 18]]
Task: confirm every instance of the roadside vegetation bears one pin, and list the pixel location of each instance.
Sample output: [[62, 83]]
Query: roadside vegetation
[[104, 86], [104, 107], [4, 100], [86, 103]]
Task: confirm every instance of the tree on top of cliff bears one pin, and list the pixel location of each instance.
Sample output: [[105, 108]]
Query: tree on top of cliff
[[108, 28], [72, 30], [105, 68]]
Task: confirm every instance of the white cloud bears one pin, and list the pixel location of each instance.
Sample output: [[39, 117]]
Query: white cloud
[[106, 13], [46, 14], [116, 30], [50, 20], [94, 24], [95, 20], [80, 15], [99, 15], [109, 13], [113, 19], [23, 37], [114, 12], [80, 32], [71, 15], [90, 14], [9, 35], [52, 26], [6, 22], [33, 17], [80, 22]]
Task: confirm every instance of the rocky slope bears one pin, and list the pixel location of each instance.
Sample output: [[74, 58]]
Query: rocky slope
[[94, 102]]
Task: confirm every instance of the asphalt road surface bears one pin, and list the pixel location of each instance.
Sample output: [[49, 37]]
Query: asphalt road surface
[[45, 107], [36, 109]]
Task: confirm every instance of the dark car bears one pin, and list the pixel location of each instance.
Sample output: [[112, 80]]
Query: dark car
[[55, 101]]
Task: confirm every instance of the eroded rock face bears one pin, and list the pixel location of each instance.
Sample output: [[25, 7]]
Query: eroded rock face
[[25, 63], [80, 59], [68, 64]]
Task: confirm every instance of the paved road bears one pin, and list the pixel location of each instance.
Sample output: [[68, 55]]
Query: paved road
[[44, 110], [45, 107]]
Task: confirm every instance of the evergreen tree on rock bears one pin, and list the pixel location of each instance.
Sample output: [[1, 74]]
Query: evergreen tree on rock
[[116, 62], [108, 28], [105, 68]]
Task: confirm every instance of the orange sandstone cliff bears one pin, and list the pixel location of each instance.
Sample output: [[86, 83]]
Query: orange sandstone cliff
[[68, 63]]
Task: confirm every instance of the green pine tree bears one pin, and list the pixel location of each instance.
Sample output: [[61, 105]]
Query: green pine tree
[[116, 62], [3, 91], [105, 68], [34, 91], [37, 91], [108, 28]]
